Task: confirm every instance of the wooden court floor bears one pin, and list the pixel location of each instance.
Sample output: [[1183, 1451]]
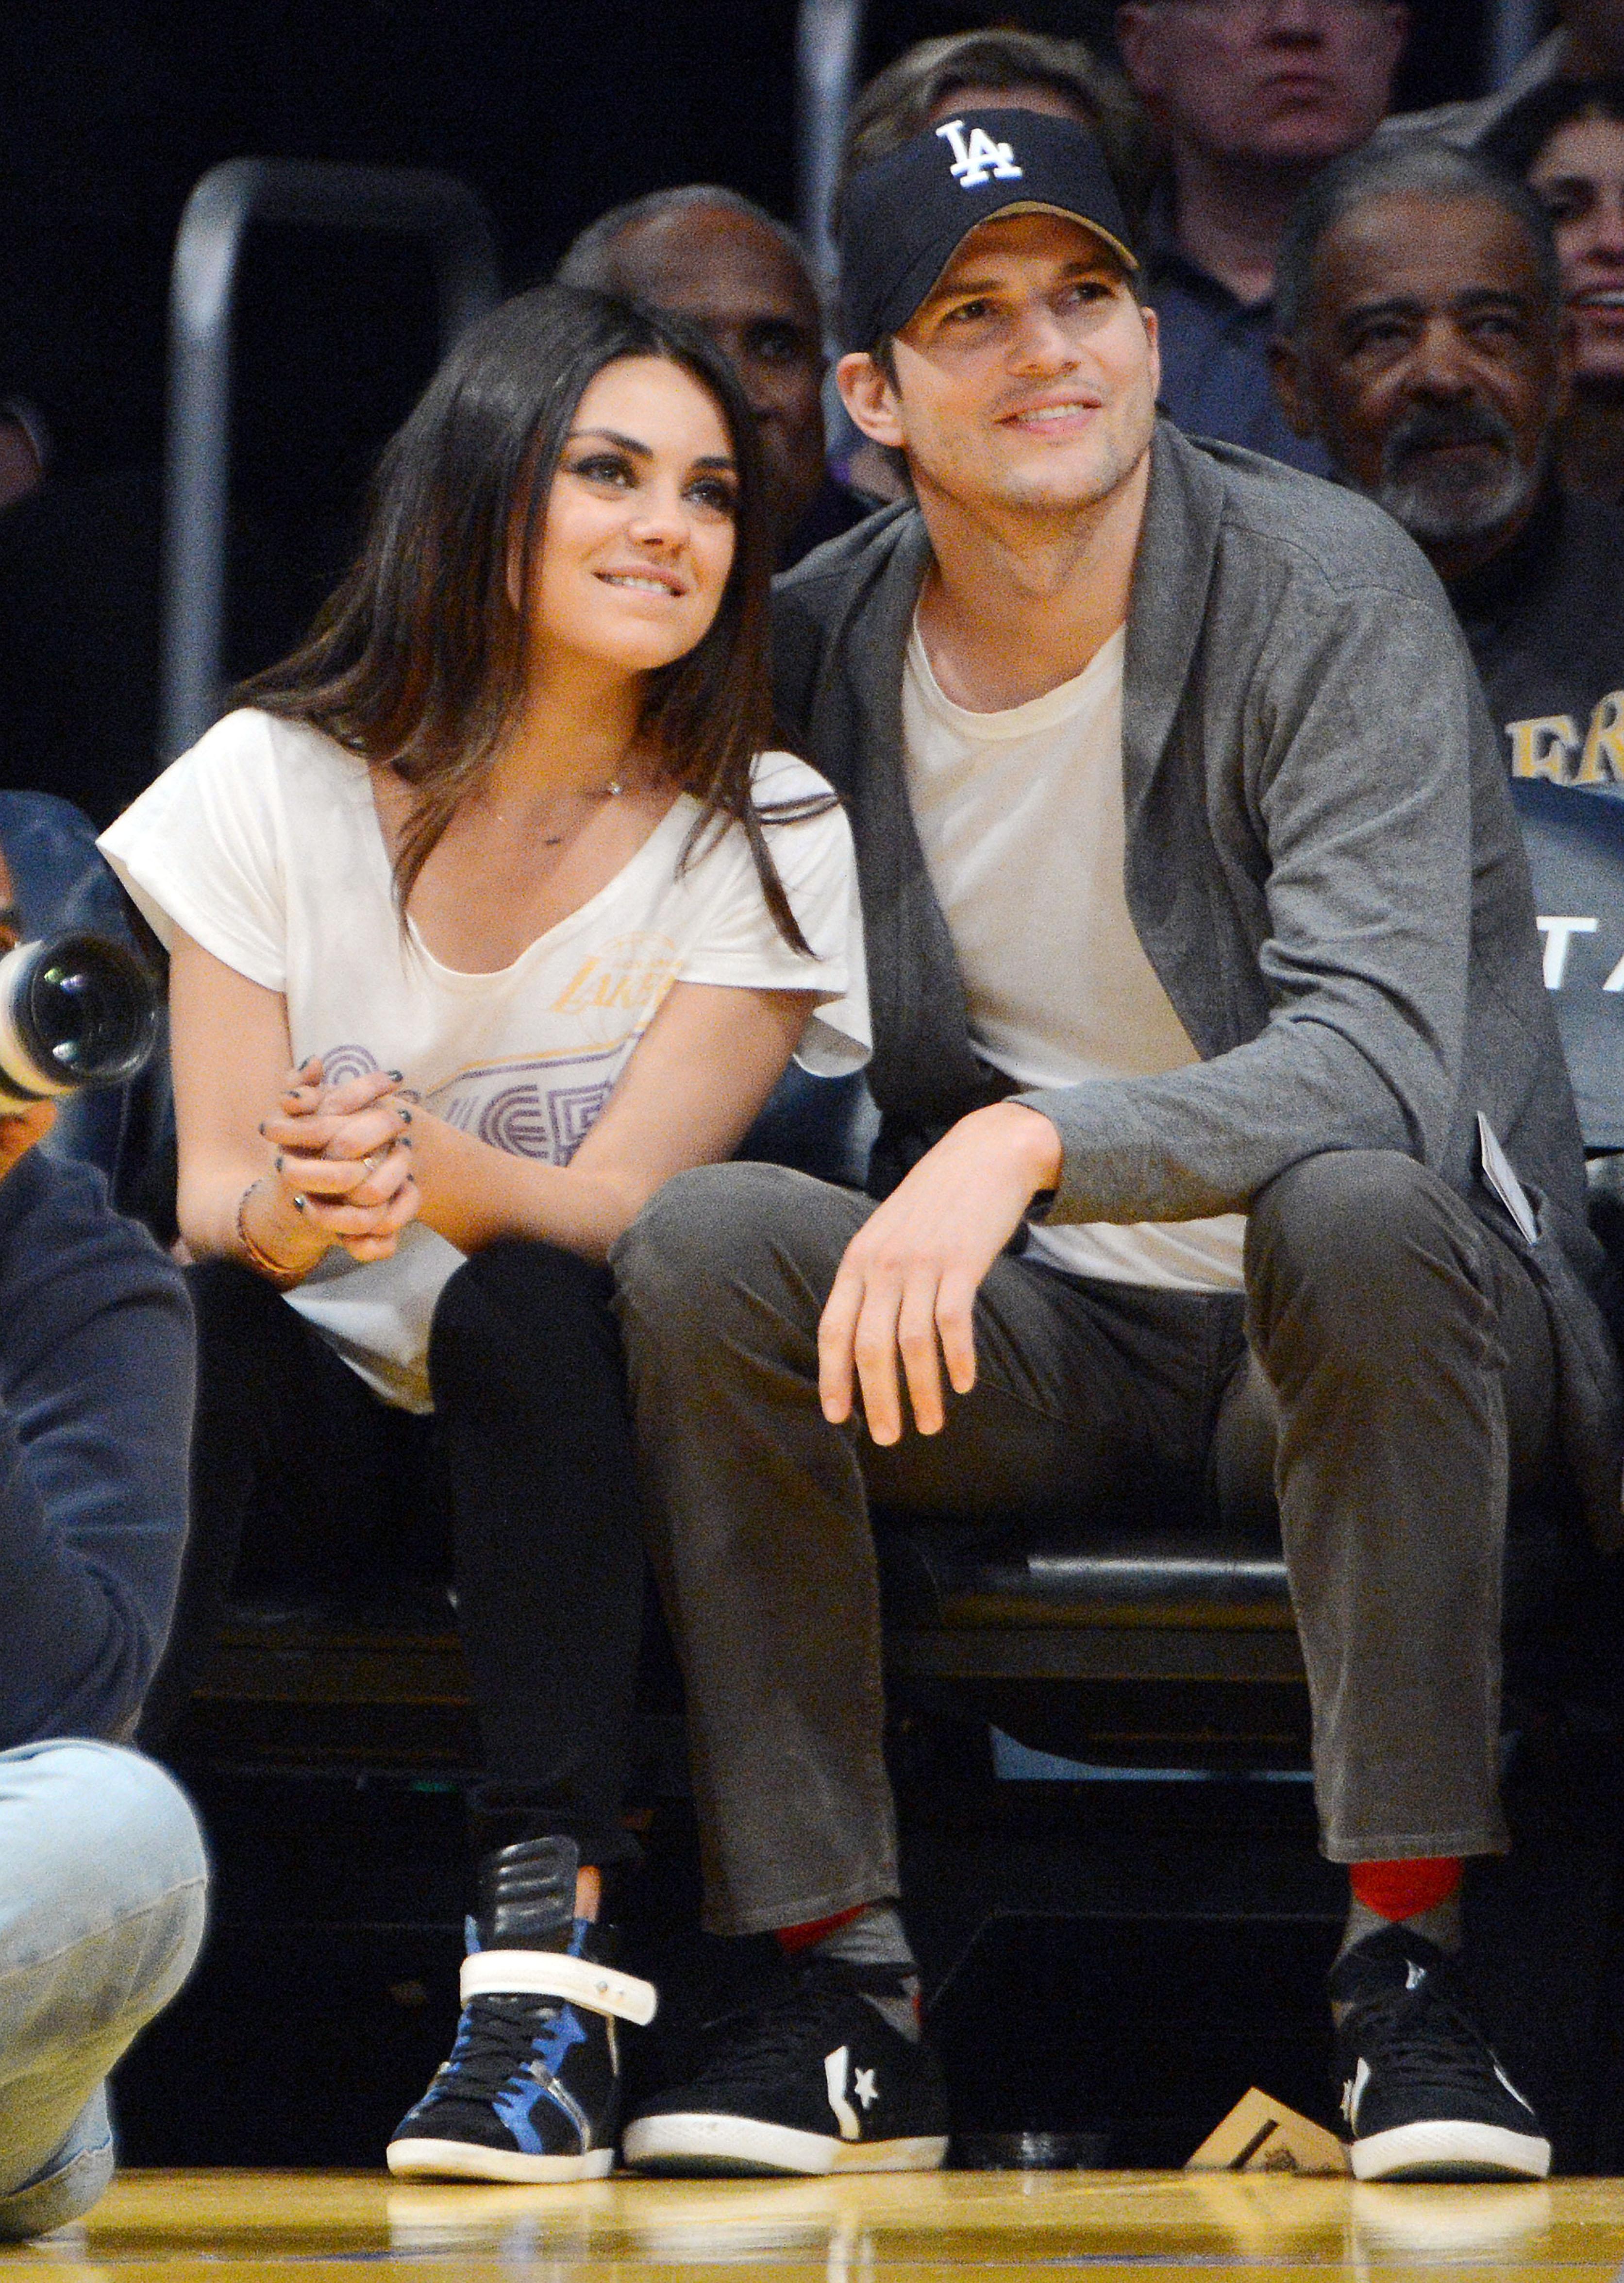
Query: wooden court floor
[[1076, 2227]]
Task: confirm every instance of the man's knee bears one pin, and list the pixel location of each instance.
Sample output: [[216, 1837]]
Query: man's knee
[[1367, 1231], [713, 1233], [102, 1897]]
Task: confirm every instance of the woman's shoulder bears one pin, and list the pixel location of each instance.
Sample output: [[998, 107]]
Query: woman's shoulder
[[249, 780], [256, 766], [250, 741]]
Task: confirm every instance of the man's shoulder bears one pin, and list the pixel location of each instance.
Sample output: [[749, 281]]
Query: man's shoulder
[[1299, 531], [1465, 124], [818, 581], [836, 596]]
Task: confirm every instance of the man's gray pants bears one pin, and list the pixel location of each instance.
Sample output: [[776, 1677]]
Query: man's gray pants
[[102, 1881], [1388, 1377]]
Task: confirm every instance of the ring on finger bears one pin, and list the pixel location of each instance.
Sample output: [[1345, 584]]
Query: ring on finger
[[299, 1201]]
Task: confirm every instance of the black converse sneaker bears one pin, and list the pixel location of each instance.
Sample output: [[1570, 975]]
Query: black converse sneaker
[[1422, 2096], [531, 2091], [816, 2081]]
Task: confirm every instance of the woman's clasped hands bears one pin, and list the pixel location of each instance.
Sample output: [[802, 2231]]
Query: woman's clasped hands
[[343, 1162]]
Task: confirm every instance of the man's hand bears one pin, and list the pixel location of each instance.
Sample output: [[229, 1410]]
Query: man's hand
[[21, 1129], [908, 1282]]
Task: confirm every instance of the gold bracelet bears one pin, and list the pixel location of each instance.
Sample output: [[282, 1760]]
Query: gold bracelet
[[282, 1277]]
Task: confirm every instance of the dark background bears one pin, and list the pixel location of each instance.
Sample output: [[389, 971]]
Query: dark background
[[111, 109]]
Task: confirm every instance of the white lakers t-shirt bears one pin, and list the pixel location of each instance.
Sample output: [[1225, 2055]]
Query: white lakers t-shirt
[[263, 844], [1021, 817]]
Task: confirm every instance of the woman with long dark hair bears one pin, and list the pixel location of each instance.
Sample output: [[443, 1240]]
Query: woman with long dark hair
[[486, 912], [1566, 140]]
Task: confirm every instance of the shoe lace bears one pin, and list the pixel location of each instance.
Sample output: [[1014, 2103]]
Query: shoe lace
[[493, 2046], [1424, 2038]]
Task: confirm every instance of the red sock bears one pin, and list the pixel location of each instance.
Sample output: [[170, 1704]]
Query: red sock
[[793, 1940], [1403, 1890]]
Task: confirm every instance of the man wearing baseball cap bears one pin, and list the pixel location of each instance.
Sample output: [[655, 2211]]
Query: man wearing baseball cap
[[1226, 1138]]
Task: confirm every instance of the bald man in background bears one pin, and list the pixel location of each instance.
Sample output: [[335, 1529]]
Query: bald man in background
[[743, 277]]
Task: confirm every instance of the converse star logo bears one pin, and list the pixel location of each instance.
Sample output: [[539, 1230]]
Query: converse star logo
[[977, 158], [863, 2085], [836, 2068], [1352, 2092]]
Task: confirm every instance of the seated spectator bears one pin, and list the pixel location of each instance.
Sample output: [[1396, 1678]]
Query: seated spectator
[[1209, 1028], [740, 275], [1000, 70], [1588, 43], [102, 1869], [497, 862], [1566, 142], [1421, 320], [1252, 100], [991, 70]]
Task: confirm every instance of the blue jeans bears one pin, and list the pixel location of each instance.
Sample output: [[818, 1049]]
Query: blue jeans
[[102, 1881]]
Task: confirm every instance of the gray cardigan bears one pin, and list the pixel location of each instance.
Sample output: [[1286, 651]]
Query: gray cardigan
[[1323, 865]]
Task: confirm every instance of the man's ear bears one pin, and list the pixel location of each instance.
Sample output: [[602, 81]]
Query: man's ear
[[1286, 368], [870, 399], [1153, 337]]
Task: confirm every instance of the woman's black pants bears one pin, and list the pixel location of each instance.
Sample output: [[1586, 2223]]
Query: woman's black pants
[[527, 1456]]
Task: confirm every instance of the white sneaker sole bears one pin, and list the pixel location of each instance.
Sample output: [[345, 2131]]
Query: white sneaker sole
[[1440, 2150], [465, 2160], [700, 2143]]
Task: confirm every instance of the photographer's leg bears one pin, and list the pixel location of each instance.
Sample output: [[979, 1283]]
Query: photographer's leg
[[101, 1915]]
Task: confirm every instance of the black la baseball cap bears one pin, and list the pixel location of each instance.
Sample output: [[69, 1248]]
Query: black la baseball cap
[[905, 214]]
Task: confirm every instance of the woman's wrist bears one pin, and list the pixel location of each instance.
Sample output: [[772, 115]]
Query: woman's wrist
[[280, 1253]]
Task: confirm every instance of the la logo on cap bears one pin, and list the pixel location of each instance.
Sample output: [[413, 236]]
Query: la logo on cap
[[978, 159]]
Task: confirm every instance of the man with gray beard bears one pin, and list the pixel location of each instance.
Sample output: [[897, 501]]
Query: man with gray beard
[[1420, 314]]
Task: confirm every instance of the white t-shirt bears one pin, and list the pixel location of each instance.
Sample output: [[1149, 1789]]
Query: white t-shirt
[[1021, 817], [263, 844]]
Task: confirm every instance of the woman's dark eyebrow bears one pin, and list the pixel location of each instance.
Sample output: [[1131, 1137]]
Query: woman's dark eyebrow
[[613, 436], [646, 451]]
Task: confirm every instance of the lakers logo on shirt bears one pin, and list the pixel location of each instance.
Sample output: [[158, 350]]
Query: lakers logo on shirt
[[1551, 745], [618, 989]]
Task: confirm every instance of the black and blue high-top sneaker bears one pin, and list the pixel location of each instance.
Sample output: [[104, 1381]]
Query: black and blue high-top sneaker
[[1424, 2097], [532, 2090]]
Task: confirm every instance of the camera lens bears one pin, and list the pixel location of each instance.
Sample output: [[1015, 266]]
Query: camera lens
[[78, 1011]]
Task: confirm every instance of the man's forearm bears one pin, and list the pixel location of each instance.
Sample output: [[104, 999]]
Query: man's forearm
[[1206, 1138], [96, 1389]]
